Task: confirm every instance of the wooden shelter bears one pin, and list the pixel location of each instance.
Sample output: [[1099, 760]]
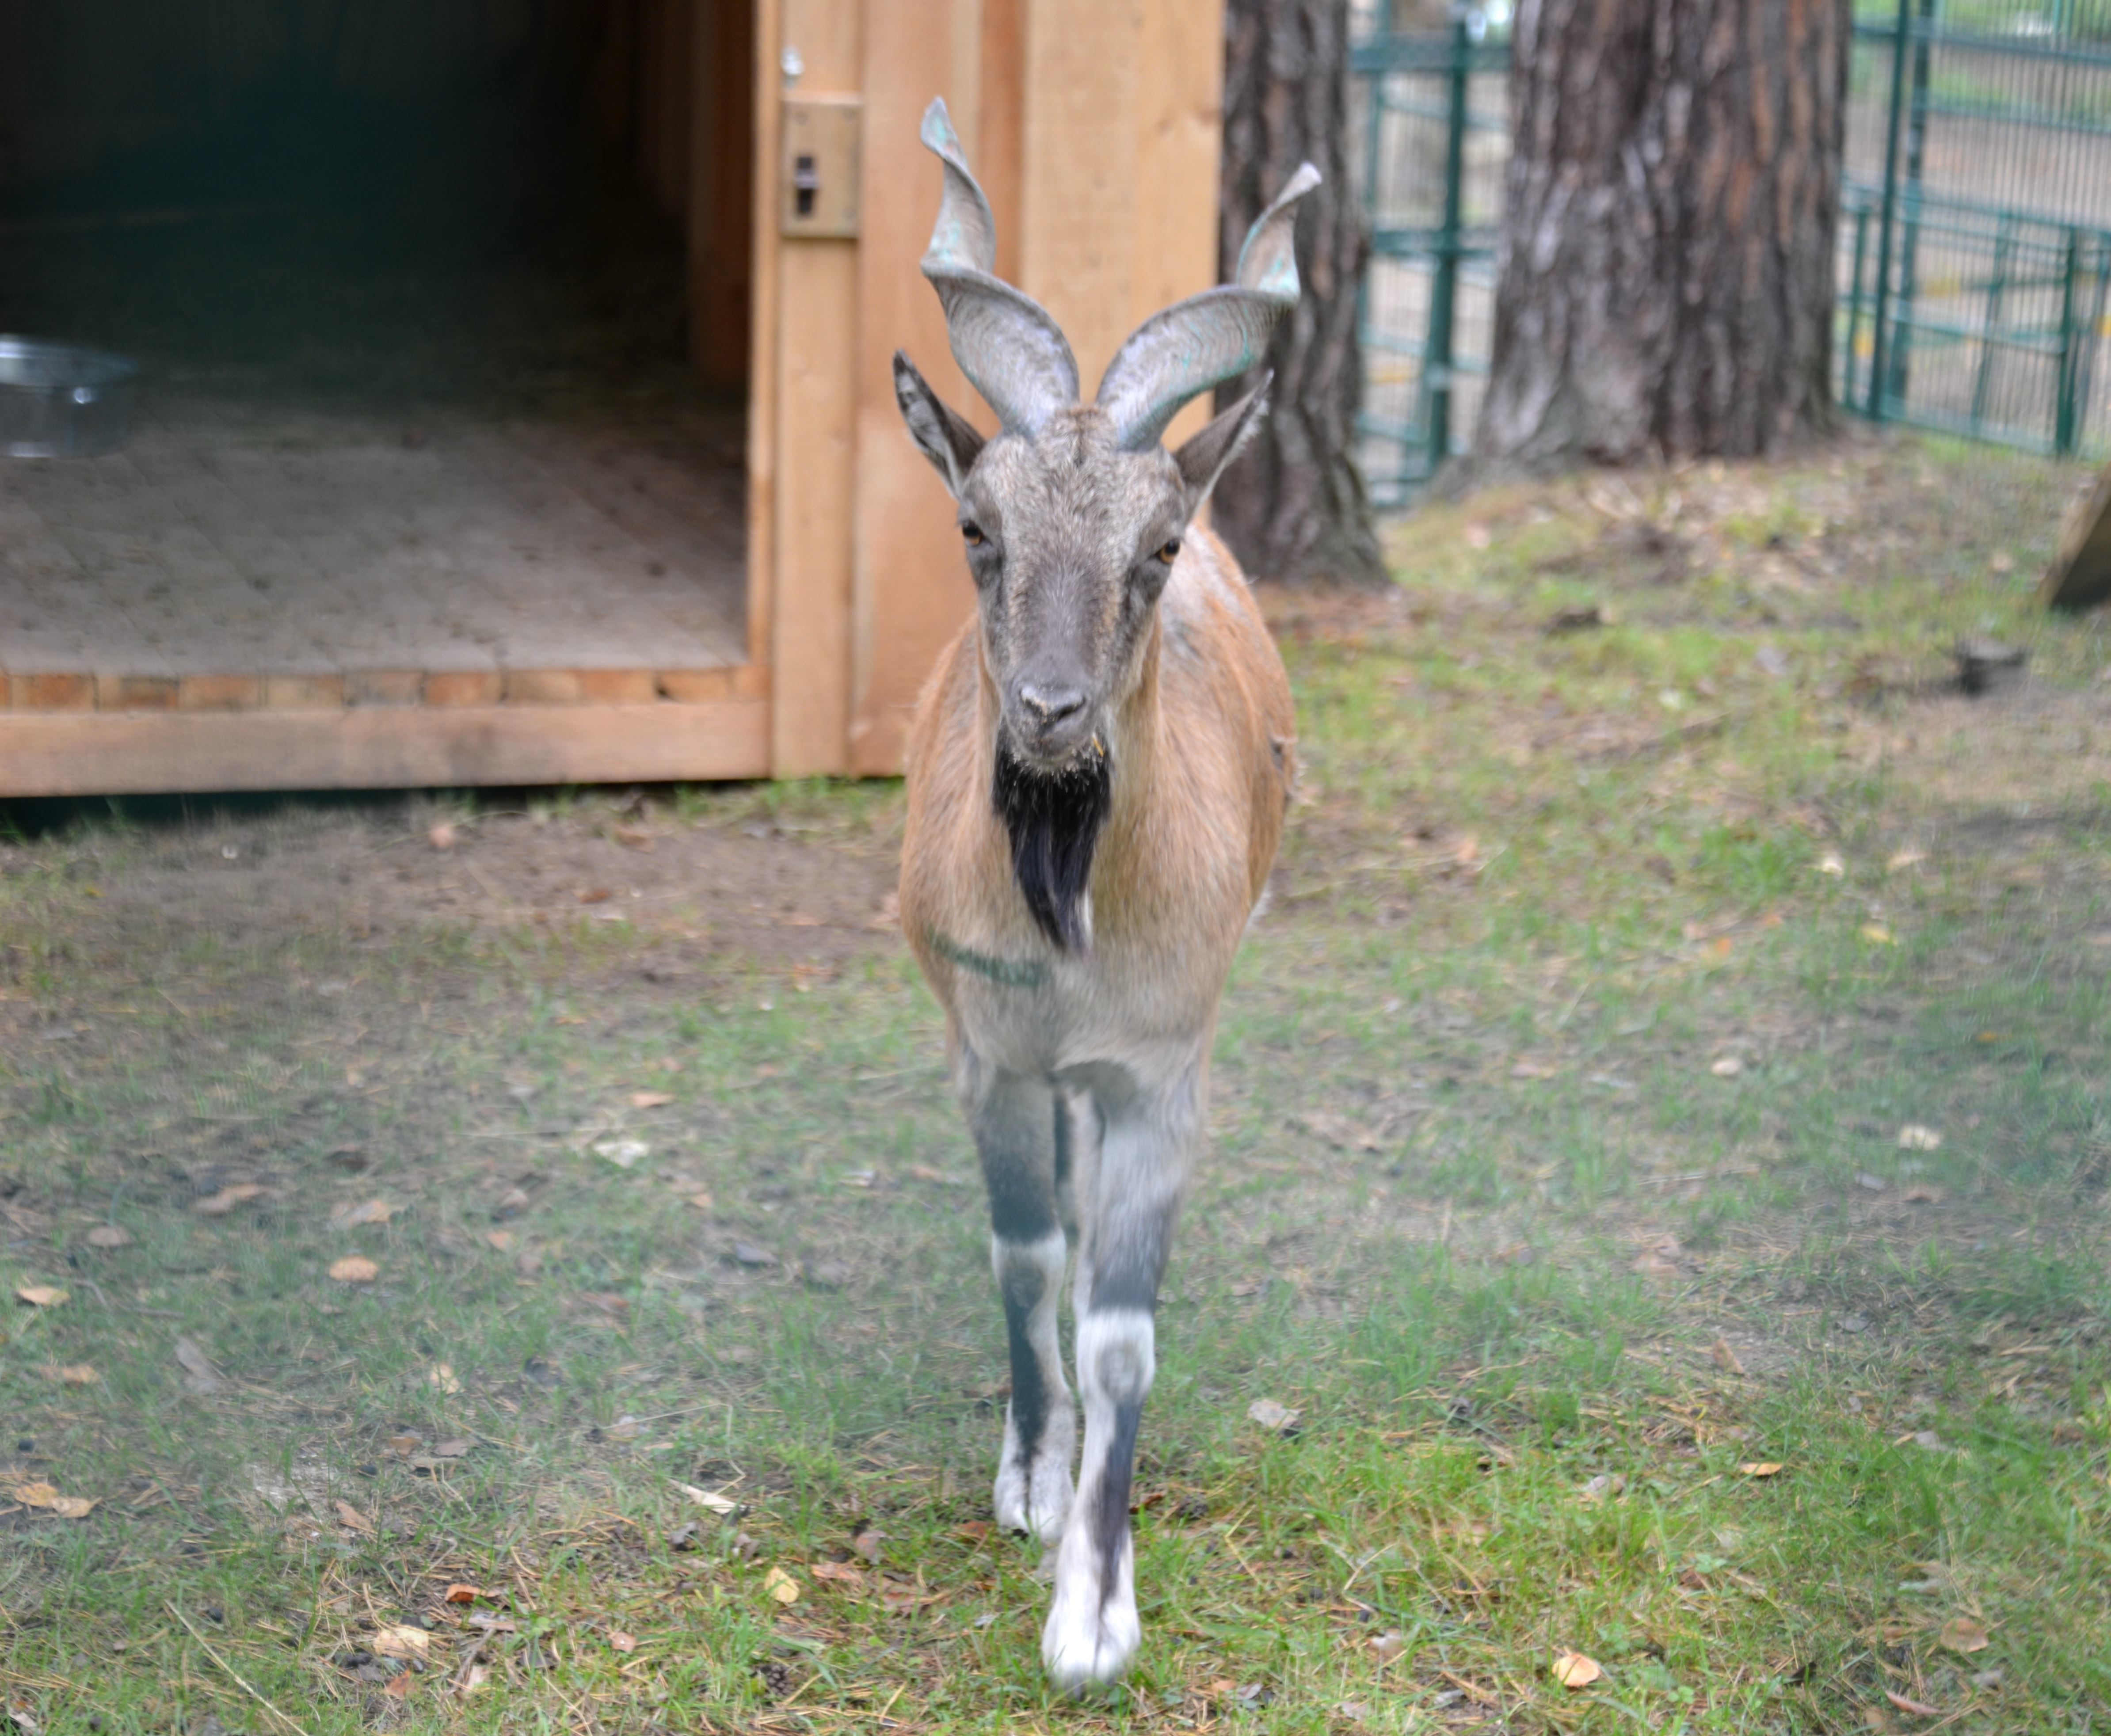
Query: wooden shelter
[[745, 574]]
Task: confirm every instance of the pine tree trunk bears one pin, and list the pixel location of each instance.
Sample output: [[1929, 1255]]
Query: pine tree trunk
[[1292, 506], [1665, 283]]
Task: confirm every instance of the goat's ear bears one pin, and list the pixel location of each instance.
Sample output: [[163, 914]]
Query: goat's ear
[[1202, 456], [941, 433]]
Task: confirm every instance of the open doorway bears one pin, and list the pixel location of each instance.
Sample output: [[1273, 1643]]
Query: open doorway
[[440, 308]]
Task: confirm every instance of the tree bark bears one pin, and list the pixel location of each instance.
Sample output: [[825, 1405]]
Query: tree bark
[[1665, 286], [1292, 505]]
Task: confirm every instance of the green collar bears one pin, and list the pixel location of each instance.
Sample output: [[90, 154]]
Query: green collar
[[1024, 973]]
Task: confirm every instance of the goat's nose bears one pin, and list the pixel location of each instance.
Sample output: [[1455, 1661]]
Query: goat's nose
[[1052, 704]]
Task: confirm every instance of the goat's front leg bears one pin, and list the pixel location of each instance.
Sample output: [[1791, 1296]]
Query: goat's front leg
[[1127, 1201], [1018, 1135]]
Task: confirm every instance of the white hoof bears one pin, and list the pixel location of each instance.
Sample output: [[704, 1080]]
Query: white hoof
[[1090, 1639], [1033, 1495]]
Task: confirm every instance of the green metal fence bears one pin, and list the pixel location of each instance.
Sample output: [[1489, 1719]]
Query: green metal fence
[[1975, 239], [1434, 114]]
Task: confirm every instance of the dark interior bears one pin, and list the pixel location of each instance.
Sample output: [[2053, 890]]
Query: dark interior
[[509, 205]]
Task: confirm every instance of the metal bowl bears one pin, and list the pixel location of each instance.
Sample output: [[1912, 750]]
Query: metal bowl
[[57, 400]]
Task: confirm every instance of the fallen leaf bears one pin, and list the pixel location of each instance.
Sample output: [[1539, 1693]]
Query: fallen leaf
[[1338, 1130], [219, 1204], [595, 896], [1918, 1708], [1573, 1670], [621, 1641], [1760, 1468], [1533, 1070], [199, 1375], [403, 1445], [1914, 1137], [1962, 1634], [781, 1585], [651, 1100], [1269, 1415], [1726, 1358], [501, 1239], [1728, 1067], [1387, 1647], [1601, 1486], [398, 1686], [350, 1217], [442, 1374], [903, 1600], [633, 837], [459, 1593], [354, 1268], [72, 1374], [1923, 1194], [475, 1677], [351, 1518], [442, 837], [701, 1202], [40, 1295], [842, 1573], [109, 1235], [400, 1639], [44, 1496], [710, 1498], [1478, 536], [1905, 859], [1877, 934]]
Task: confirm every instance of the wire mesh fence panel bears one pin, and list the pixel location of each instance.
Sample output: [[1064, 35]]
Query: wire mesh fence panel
[[1974, 254], [1432, 118], [1975, 238]]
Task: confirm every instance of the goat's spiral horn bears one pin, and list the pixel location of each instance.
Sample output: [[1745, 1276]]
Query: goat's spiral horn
[[1011, 350], [1181, 352]]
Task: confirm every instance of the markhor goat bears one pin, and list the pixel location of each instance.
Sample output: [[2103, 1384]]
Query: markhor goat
[[1097, 777]]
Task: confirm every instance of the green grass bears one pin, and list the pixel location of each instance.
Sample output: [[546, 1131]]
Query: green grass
[[1481, 1207]]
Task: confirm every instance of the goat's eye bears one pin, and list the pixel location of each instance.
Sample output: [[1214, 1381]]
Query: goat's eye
[[971, 532], [1171, 552]]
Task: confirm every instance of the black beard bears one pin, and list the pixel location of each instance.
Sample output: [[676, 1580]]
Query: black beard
[[1053, 819]]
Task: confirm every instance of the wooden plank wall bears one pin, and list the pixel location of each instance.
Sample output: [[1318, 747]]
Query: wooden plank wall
[[911, 588], [812, 379]]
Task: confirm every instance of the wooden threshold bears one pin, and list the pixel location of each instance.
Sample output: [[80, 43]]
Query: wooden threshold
[[124, 753]]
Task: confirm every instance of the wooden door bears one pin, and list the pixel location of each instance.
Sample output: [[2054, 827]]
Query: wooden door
[[1094, 127]]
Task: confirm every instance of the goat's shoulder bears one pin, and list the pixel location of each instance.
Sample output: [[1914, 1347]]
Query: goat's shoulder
[[1226, 697], [1220, 663]]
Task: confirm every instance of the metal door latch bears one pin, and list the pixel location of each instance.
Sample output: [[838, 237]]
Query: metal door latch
[[820, 166]]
